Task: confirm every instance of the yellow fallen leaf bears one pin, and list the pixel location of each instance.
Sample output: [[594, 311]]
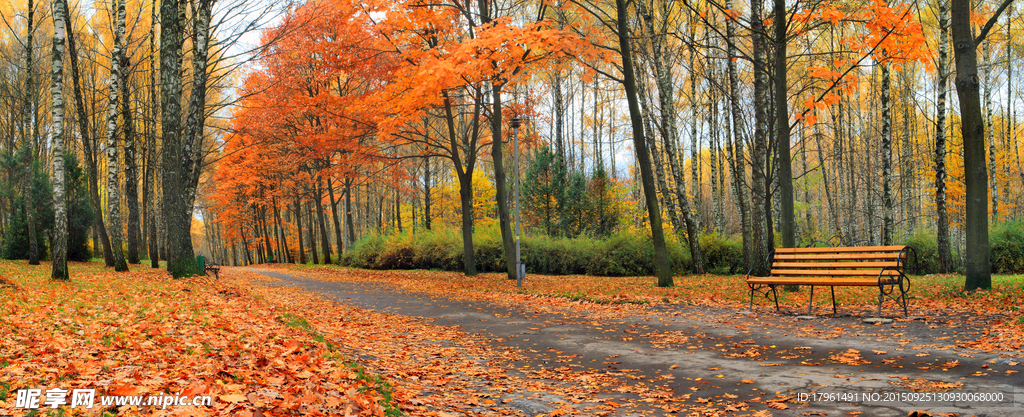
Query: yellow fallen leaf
[[232, 398]]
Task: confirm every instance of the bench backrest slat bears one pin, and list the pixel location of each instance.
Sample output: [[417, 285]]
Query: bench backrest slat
[[835, 256], [834, 265], [841, 250], [836, 272]]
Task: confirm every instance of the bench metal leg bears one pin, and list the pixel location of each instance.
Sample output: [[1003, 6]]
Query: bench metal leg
[[775, 295], [880, 298], [833, 300], [811, 303], [903, 297]]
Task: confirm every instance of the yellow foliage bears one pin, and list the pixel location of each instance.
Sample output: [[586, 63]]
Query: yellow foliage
[[447, 206]]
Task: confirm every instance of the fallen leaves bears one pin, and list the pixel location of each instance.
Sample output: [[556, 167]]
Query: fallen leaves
[[849, 357], [142, 333], [925, 385]]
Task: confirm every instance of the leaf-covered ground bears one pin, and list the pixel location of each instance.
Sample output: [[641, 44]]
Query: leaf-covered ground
[[262, 348], [142, 333]]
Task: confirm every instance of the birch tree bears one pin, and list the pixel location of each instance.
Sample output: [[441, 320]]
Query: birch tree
[[59, 268], [28, 135], [113, 192], [669, 127]]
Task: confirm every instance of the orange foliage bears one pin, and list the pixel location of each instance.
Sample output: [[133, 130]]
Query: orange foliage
[[887, 34]]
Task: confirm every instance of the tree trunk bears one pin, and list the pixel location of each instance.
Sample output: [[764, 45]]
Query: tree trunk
[[464, 172], [28, 130], [262, 222], [334, 216], [282, 241], [942, 232], [176, 212], [298, 230], [350, 231], [559, 110], [426, 193], [661, 261], [787, 217], [182, 147], [59, 269], [312, 236], [507, 238], [759, 151], [131, 182], [325, 241], [670, 135], [151, 195], [113, 191], [886, 156], [734, 147], [87, 143], [989, 133], [977, 266]]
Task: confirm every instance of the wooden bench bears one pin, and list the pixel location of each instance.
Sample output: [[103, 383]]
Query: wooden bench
[[214, 268], [869, 266]]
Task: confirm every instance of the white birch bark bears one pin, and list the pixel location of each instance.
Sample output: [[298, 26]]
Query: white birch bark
[[887, 206], [60, 229], [113, 193]]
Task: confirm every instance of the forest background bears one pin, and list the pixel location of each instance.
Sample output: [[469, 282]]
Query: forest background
[[656, 137]]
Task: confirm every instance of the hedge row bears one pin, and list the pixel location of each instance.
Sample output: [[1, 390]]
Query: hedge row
[[623, 254], [1006, 249], [627, 253]]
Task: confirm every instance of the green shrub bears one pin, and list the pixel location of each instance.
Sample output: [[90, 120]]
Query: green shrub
[[556, 255], [927, 251], [16, 242], [397, 253], [488, 250], [629, 254], [365, 252], [722, 255], [438, 250], [623, 254], [1006, 248]]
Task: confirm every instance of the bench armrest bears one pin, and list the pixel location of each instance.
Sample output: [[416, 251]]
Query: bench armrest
[[908, 264], [759, 271]]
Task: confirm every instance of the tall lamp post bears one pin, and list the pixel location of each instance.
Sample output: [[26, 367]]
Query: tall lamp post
[[520, 268]]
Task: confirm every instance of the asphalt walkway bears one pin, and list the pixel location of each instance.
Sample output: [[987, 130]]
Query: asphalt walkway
[[887, 373]]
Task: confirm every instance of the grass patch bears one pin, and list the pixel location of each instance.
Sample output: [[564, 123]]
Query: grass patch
[[295, 322]]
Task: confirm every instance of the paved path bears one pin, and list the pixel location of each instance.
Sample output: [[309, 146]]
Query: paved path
[[720, 360]]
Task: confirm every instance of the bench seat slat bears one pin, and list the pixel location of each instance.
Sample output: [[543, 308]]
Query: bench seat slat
[[841, 250], [837, 272], [833, 265], [835, 257], [823, 281]]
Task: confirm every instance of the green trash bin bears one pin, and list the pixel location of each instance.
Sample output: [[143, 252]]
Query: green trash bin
[[201, 262]]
